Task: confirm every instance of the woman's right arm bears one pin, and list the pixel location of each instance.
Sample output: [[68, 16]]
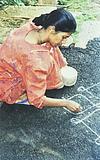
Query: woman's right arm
[[69, 104], [35, 77]]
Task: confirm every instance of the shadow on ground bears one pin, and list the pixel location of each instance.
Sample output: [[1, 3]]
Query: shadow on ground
[[27, 133]]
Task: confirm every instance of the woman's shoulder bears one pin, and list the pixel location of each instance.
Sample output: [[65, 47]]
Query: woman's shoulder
[[21, 30], [28, 26]]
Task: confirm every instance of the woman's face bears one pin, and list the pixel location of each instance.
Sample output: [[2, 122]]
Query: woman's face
[[58, 38]]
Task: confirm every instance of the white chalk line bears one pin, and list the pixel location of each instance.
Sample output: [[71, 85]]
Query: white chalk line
[[93, 104], [27, 139], [82, 121], [79, 121], [82, 90], [78, 113], [85, 89], [96, 141], [91, 129]]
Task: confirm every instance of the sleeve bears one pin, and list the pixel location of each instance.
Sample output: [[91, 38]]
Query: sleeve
[[35, 80], [62, 59], [36, 87]]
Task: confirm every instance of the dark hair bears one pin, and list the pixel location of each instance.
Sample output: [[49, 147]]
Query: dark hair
[[60, 18]]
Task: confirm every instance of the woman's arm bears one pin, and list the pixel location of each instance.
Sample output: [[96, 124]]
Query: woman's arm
[[62, 59], [69, 104]]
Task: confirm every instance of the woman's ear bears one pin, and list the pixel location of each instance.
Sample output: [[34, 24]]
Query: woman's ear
[[51, 29]]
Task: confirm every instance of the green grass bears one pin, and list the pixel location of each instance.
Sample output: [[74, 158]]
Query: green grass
[[83, 11]]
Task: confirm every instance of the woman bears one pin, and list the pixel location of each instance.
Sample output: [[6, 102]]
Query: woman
[[31, 62]]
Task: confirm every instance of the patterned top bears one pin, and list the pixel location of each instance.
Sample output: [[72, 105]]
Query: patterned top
[[28, 68]]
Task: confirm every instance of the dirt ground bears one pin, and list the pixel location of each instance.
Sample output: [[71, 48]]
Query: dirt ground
[[90, 29], [51, 133], [16, 16]]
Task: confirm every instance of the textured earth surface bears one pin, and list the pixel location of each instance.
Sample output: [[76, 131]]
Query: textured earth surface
[[88, 31], [27, 133]]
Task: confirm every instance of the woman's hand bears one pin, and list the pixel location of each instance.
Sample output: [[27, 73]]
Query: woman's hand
[[69, 104], [73, 106]]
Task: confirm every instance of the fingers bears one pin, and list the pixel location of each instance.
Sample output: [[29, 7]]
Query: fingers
[[77, 109], [73, 106]]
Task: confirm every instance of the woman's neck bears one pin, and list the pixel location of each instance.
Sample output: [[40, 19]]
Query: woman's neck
[[37, 37]]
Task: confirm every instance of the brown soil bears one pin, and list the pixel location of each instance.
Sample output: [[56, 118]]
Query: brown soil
[[16, 16], [13, 17]]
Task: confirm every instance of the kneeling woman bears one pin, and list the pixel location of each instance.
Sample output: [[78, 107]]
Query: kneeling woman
[[31, 62]]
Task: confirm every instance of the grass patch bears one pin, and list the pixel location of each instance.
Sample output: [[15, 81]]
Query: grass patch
[[83, 11]]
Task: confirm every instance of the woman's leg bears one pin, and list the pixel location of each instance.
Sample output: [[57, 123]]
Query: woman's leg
[[69, 78], [69, 75]]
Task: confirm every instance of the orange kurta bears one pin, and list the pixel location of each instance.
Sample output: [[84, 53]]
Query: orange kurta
[[28, 68]]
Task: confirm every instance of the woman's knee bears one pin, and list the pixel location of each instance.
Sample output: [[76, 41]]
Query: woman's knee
[[69, 75]]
